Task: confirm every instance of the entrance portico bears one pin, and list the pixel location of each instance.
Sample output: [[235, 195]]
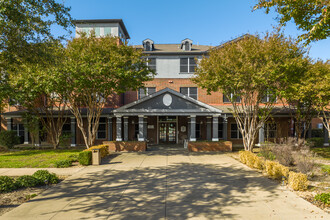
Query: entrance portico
[[168, 117]]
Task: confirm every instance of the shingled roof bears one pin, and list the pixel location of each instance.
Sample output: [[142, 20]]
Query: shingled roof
[[175, 48]]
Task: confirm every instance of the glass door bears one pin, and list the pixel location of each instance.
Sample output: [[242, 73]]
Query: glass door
[[167, 132]]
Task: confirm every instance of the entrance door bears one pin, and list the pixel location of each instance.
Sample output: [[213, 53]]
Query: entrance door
[[167, 132]]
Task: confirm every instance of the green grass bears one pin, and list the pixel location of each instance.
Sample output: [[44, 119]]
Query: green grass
[[322, 152], [34, 158]]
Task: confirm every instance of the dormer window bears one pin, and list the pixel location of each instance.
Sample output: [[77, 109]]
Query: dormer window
[[186, 44], [148, 45]]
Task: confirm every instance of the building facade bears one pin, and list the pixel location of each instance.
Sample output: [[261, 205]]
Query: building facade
[[170, 109]]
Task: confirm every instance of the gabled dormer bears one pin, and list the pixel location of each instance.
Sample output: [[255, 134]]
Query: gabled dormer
[[186, 44], [148, 45]]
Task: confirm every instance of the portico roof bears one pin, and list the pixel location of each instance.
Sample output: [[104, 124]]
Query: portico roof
[[167, 102]]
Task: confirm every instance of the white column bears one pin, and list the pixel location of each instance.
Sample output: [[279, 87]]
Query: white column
[[262, 135], [125, 128], [141, 128], [118, 128], [73, 131], [225, 128], [110, 128], [215, 136], [192, 128]]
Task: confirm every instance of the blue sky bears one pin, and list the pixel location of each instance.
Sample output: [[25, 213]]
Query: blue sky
[[207, 22]]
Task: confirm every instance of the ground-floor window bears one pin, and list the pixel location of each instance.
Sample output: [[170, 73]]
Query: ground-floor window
[[66, 130], [220, 130], [270, 130], [102, 130], [198, 131], [19, 129], [234, 132]]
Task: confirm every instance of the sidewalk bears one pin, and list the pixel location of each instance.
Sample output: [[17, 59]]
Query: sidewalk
[[29, 171]]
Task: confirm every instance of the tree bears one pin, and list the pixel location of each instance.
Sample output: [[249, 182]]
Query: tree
[[249, 69], [39, 89], [26, 22], [95, 69], [321, 71], [311, 16]]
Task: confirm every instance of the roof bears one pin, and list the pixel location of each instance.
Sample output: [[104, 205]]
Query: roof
[[175, 48], [93, 21]]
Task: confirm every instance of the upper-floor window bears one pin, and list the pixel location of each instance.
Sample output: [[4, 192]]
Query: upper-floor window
[[143, 92], [187, 45], [151, 63], [189, 91], [148, 44], [227, 100], [107, 31], [187, 65], [269, 97], [148, 47]]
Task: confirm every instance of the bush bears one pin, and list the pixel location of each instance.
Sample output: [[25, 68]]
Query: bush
[[326, 168], [315, 142], [304, 161], [266, 152], [85, 158], [9, 139], [276, 170], [283, 154], [7, 184], [27, 181], [298, 181], [73, 157], [251, 159], [317, 133], [103, 150], [45, 177], [323, 197], [63, 163]]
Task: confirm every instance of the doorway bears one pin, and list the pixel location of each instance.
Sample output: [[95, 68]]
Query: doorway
[[167, 132]]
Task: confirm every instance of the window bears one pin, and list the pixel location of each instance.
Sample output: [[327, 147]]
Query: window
[[189, 91], [269, 97], [234, 132], [226, 100], [220, 130], [143, 92], [198, 131], [151, 63], [66, 130], [102, 130], [148, 48], [107, 31], [136, 131], [14, 102], [187, 46], [187, 65], [19, 129], [270, 130], [97, 31], [85, 30]]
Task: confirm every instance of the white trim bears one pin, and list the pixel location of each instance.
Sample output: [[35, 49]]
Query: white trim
[[73, 145], [192, 139], [119, 139], [215, 139], [326, 144]]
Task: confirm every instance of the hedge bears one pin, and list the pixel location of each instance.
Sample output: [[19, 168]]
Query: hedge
[[104, 149], [85, 158], [297, 181]]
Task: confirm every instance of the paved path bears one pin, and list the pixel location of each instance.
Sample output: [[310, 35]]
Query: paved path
[[29, 171], [167, 185]]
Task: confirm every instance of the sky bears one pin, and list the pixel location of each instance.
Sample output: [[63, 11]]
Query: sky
[[205, 22]]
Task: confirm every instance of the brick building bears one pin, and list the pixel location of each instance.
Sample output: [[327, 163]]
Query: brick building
[[171, 108]]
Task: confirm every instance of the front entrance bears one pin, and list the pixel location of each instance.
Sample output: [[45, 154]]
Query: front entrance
[[167, 129]]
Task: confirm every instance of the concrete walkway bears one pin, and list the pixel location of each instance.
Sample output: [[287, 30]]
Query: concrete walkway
[[29, 171], [167, 185]]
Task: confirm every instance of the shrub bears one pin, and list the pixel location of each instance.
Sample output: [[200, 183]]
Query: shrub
[[276, 170], [63, 163], [9, 139], [27, 181], [73, 157], [326, 168], [283, 154], [304, 161], [251, 159], [45, 177], [7, 184], [323, 197], [266, 152], [85, 158], [103, 150], [317, 133], [315, 142], [298, 181]]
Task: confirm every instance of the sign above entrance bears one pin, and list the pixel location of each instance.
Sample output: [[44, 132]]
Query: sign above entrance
[[167, 99]]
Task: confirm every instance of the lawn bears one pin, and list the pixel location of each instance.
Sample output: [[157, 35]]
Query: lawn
[[34, 158], [322, 152]]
